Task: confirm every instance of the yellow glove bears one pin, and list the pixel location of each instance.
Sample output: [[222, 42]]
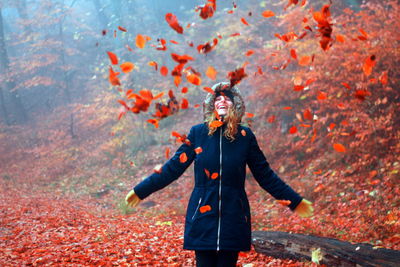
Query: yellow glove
[[304, 209], [131, 199]]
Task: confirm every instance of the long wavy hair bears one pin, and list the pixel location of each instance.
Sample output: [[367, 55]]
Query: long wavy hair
[[231, 120], [235, 113]]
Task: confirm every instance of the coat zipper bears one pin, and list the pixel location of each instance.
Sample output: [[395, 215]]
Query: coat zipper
[[220, 176], [198, 205]]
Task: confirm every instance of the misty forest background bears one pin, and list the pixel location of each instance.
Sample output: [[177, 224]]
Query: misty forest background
[[324, 112]]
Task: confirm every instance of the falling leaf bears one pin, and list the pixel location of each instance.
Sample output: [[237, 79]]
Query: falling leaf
[[369, 64], [268, 13], [284, 202], [205, 208], [185, 103], [121, 29], [321, 96], [211, 73], [307, 114], [249, 53], [198, 150], [214, 175], [243, 20], [346, 85], [243, 132], [154, 122], [153, 64], [141, 41], [193, 79], [339, 147], [183, 157], [340, 38], [287, 108], [184, 90], [305, 60], [216, 124], [207, 173], [127, 67], [172, 20], [293, 53], [209, 90], [164, 71], [271, 119], [113, 58], [167, 151], [293, 130]]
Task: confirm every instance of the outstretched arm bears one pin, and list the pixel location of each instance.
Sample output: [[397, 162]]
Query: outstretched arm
[[170, 171], [270, 181]]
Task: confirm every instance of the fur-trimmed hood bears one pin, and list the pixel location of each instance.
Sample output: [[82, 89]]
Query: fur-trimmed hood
[[238, 103]]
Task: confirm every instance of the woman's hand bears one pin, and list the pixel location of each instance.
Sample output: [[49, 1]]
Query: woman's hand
[[304, 209], [131, 199]]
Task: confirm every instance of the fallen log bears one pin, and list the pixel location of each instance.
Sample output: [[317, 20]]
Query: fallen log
[[322, 250]]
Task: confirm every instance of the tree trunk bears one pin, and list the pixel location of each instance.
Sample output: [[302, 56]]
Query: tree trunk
[[323, 250], [19, 110]]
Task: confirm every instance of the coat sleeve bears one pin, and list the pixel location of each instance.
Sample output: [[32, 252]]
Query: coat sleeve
[[267, 178], [170, 171]]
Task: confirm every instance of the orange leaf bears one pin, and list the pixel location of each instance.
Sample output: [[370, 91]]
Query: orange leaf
[[177, 80], [268, 13], [164, 71], [307, 114], [271, 119], [113, 58], [140, 41], [172, 20], [384, 78], [211, 73], [127, 67], [207, 173], [243, 132], [293, 53], [121, 29], [209, 90], [167, 150], [249, 115], [198, 150], [321, 96], [194, 79], [305, 60], [214, 175], [184, 90], [284, 202], [339, 147], [293, 130], [287, 108], [216, 124], [340, 38], [205, 208], [244, 21], [183, 157], [249, 53], [154, 122], [154, 64], [346, 85], [185, 103]]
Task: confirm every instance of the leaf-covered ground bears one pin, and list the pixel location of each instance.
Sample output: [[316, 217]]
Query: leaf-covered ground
[[41, 229]]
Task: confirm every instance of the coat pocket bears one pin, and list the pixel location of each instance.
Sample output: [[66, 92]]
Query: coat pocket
[[197, 208]]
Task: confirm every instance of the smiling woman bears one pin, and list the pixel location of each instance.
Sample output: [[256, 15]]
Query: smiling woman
[[218, 222]]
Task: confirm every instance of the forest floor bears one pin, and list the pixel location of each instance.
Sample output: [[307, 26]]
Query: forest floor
[[44, 229]]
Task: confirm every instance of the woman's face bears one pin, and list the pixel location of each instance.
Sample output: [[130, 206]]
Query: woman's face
[[222, 104]]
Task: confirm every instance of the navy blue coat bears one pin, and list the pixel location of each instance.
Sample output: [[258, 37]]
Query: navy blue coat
[[226, 224]]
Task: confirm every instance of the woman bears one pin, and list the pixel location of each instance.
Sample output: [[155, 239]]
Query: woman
[[218, 223]]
